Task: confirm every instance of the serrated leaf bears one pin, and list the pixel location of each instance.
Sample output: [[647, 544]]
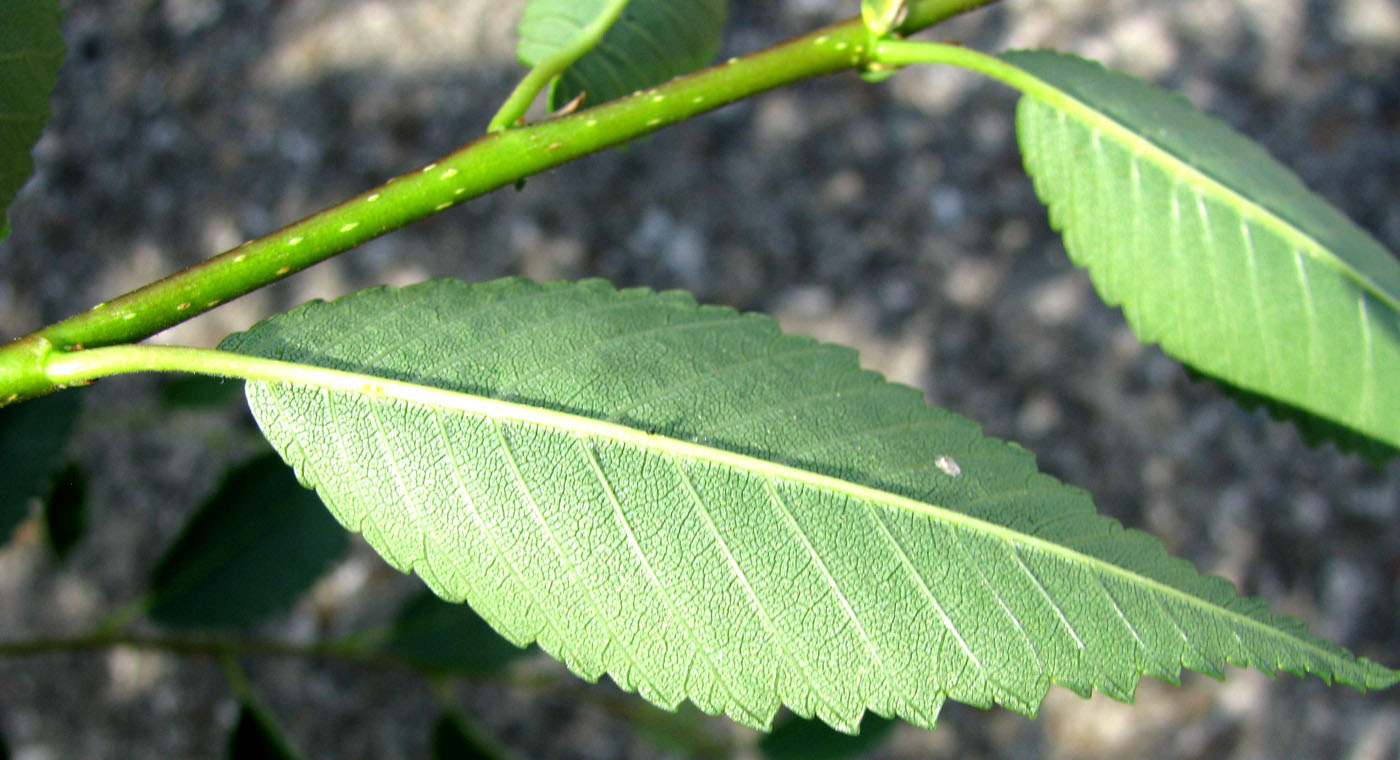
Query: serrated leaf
[[702, 507], [652, 42], [65, 510], [31, 51], [33, 436], [1315, 430], [434, 634], [810, 740], [247, 553], [1212, 248]]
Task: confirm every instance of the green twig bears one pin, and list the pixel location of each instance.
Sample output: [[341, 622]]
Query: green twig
[[496, 160], [545, 71], [893, 52]]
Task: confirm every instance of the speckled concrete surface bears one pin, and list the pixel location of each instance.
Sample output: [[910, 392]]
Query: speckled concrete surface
[[895, 218]]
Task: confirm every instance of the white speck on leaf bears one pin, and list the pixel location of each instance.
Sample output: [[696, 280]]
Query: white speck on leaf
[[948, 465]]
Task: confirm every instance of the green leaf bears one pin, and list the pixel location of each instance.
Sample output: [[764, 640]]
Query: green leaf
[[65, 510], [449, 637], [1212, 248], [33, 435], [652, 42], [256, 736], [702, 507], [247, 553], [810, 740], [1315, 430], [31, 50]]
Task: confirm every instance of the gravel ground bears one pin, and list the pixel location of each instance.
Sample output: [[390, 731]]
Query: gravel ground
[[895, 218]]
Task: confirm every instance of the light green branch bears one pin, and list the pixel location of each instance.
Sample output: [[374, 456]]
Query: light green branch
[[496, 160]]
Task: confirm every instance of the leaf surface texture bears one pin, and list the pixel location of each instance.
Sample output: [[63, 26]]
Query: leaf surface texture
[[1214, 249], [651, 42], [704, 508]]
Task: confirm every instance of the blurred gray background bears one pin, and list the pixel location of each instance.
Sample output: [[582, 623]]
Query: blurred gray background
[[895, 218]]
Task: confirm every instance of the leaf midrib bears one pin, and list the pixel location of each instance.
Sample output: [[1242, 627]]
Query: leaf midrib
[[375, 388], [1140, 147]]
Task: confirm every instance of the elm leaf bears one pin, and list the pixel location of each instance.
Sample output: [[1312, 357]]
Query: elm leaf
[[1217, 251], [702, 507]]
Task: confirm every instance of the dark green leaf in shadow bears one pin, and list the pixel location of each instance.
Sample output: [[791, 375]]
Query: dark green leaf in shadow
[[31, 51], [454, 739], [256, 736], [33, 435], [199, 391], [247, 553], [686, 730], [799, 739], [653, 41], [65, 510], [438, 635]]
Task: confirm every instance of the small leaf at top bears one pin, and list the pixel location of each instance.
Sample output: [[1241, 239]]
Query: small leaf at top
[[883, 16], [1213, 249], [705, 508], [652, 42], [33, 435], [247, 553], [434, 634], [31, 50]]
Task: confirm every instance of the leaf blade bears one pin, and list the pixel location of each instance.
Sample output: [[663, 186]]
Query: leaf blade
[[650, 43], [690, 501], [1252, 279]]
